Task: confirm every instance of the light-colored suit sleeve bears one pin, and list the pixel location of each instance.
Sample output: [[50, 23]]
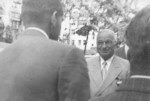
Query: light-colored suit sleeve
[[73, 84], [125, 68]]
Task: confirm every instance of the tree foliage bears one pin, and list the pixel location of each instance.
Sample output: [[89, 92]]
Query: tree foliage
[[112, 14], [84, 30]]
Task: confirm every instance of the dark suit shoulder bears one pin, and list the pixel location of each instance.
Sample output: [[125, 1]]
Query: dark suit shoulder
[[73, 69], [69, 52], [111, 97], [119, 49], [63, 46]]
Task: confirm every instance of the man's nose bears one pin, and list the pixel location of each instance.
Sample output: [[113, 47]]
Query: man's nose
[[104, 45]]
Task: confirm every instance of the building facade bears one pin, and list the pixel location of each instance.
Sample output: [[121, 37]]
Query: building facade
[[69, 28], [15, 13]]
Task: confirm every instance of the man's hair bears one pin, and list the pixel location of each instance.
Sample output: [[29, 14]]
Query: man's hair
[[36, 8], [107, 31], [138, 37]]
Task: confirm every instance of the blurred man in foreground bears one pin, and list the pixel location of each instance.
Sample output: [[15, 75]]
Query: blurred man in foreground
[[3, 45], [36, 67], [106, 71], [137, 87]]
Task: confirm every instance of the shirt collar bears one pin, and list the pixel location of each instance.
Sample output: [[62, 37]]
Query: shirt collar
[[140, 76], [108, 61], [38, 29], [126, 48]]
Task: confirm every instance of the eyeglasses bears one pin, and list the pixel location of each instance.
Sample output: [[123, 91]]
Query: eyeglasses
[[107, 43]]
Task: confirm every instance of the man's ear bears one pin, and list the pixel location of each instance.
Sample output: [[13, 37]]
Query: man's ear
[[54, 18]]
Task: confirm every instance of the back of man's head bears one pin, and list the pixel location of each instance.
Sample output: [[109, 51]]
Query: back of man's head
[[138, 37], [43, 14], [36, 11]]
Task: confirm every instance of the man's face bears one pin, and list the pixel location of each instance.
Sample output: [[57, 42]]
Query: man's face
[[105, 45]]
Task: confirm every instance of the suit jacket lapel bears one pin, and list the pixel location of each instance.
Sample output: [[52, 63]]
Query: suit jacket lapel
[[113, 72], [95, 71]]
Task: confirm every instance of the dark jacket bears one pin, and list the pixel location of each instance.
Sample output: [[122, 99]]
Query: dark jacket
[[35, 68], [133, 89], [121, 52]]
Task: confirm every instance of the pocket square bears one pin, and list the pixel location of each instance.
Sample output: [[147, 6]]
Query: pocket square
[[118, 81]]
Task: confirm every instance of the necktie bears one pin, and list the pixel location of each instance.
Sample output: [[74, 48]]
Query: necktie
[[104, 70]]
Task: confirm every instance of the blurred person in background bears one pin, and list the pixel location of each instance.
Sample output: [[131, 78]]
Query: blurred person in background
[[3, 43], [122, 51], [2, 27], [9, 34]]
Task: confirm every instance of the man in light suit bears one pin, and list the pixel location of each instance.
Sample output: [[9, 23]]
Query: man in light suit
[[38, 68], [137, 87], [117, 68]]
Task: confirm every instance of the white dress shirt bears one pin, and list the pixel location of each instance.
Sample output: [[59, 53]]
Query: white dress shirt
[[38, 29], [126, 49], [107, 61]]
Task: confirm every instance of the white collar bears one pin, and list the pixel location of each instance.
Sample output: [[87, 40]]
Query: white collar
[[108, 61], [38, 29], [140, 76], [126, 49]]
